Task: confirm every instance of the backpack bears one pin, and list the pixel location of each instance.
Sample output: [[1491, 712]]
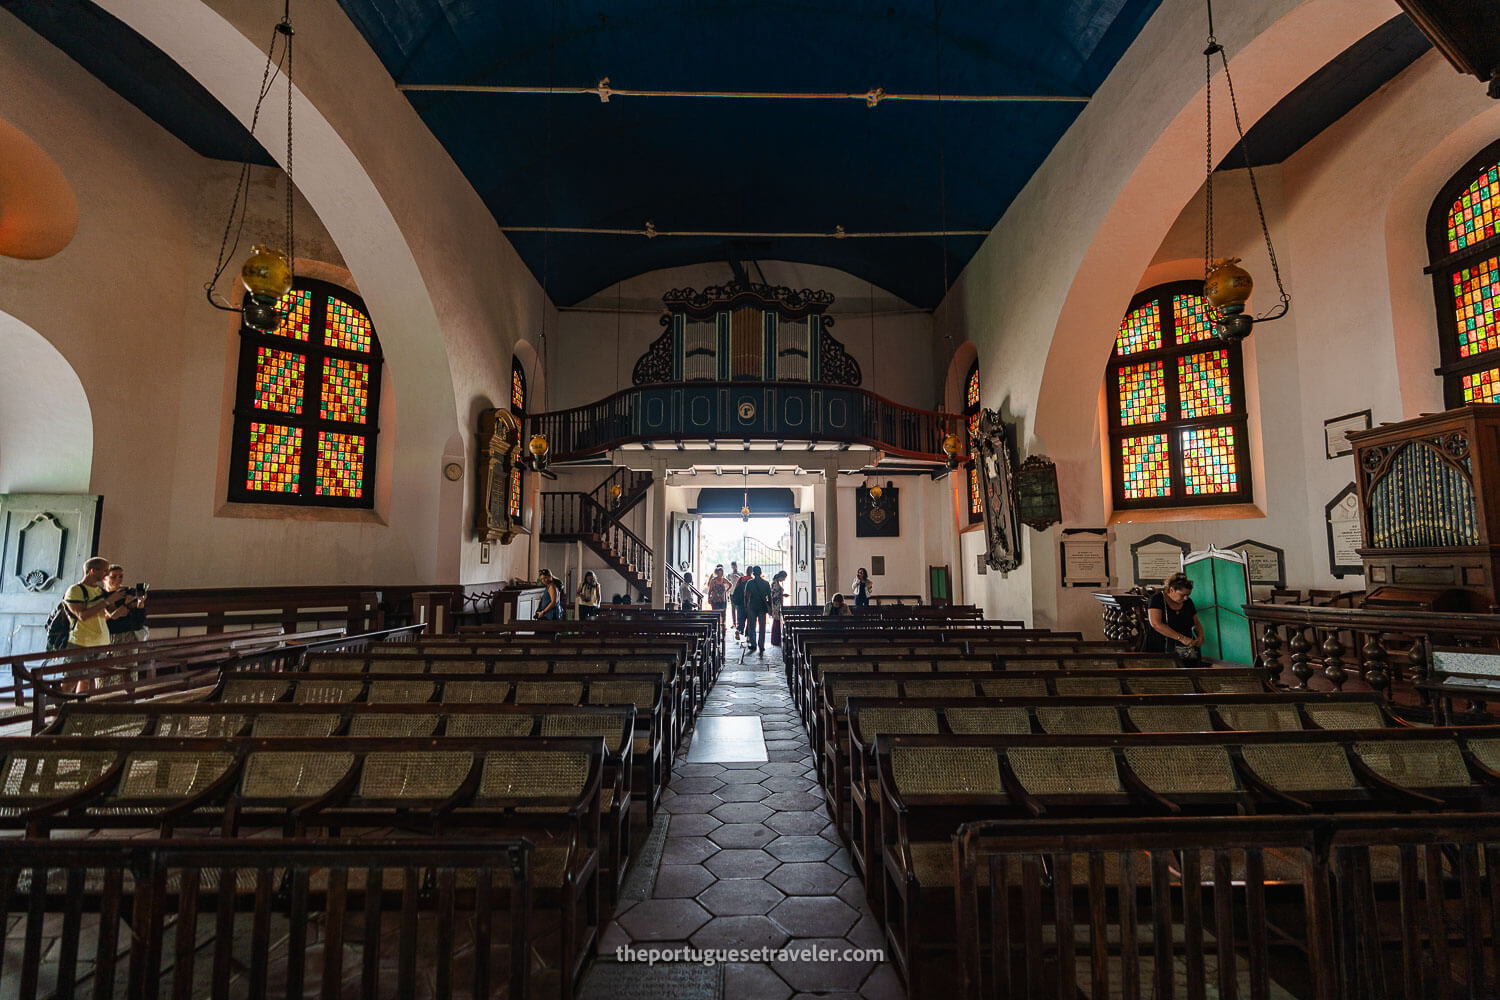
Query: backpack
[[59, 627]]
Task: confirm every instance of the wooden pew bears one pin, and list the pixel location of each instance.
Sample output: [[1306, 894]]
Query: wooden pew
[[930, 784], [615, 724], [479, 897], [652, 752], [547, 790]]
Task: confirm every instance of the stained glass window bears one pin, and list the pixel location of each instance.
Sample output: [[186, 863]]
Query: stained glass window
[[1143, 393], [1203, 385], [346, 390], [1190, 314], [1476, 310], [1170, 375], [1209, 461], [971, 421], [1146, 467], [341, 465], [1140, 330], [279, 378], [1482, 387], [296, 323], [275, 462], [1463, 228], [348, 328], [305, 419], [1475, 212], [517, 488]]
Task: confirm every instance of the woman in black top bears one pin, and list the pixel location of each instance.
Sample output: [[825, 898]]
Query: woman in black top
[[1173, 620]]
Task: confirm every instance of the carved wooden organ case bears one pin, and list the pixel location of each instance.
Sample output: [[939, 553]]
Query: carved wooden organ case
[[1429, 498], [746, 330], [500, 455], [996, 459]]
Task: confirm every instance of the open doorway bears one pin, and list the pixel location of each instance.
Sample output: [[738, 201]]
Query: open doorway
[[760, 541]]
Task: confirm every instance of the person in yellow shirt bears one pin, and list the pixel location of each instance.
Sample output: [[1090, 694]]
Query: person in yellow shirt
[[91, 606]]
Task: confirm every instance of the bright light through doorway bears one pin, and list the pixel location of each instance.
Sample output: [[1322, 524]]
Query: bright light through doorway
[[763, 541]]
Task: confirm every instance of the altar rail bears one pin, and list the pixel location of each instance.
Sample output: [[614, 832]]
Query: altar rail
[[1388, 651], [782, 411]]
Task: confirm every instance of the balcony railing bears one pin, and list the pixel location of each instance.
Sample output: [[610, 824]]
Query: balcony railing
[[731, 411]]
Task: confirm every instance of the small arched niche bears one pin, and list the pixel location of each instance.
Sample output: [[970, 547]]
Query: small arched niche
[[46, 426]]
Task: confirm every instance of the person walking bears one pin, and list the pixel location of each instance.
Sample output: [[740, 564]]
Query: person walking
[[590, 596], [862, 588], [552, 603], [757, 606], [737, 605], [736, 613], [718, 591], [778, 597]]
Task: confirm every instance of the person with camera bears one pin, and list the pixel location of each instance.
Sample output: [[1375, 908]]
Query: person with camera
[[92, 607], [131, 626], [1173, 620]]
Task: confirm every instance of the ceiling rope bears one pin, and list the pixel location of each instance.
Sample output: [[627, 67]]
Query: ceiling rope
[[872, 98]]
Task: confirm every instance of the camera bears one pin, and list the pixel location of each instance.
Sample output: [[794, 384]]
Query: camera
[[139, 590]]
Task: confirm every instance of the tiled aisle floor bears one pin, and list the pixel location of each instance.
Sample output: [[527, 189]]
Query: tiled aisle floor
[[752, 858]]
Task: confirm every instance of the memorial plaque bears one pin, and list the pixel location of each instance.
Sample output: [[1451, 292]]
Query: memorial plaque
[[1344, 534], [1085, 557], [1157, 557], [1335, 431], [1267, 562]]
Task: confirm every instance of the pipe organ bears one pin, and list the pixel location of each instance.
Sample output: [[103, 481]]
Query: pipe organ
[[1429, 494]]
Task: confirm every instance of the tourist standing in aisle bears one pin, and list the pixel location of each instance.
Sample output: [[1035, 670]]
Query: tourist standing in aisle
[[862, 588], [757, 604]]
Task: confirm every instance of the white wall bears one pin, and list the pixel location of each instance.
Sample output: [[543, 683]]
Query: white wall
[[123, 303]]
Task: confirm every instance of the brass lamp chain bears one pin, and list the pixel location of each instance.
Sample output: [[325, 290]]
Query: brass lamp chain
[[1215, 48], [238, 205]]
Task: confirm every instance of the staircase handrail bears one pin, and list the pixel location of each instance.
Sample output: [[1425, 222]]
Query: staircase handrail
[[677, 579]]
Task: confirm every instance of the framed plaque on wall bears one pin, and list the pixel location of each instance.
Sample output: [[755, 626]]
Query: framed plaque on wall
[[1344, 533]]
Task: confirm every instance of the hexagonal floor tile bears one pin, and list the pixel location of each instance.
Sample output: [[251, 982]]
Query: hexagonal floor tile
[[788, 783], [883, 984], [800, 848], [745, 777], [743, 981], [681, 881], [743, 793], [736, 863], [664, 920], [807, 879], [687, 850], [784, 767], [741, 812], [808, 916], [692, 825], [680, 805], [829, 976], [810, 822], [698, 770], [740, 932], [793, 801], [696, 786], [745, 835], [738, 897]]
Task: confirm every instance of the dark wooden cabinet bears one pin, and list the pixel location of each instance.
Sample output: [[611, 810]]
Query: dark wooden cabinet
[[1429, 497]]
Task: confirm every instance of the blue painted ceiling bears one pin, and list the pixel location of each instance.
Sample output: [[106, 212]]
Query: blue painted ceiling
[[756, 166]]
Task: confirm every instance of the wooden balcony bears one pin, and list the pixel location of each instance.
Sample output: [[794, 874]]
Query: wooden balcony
[[744, 410]]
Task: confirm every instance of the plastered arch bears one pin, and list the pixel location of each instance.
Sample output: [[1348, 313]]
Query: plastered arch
[[356, 214], [46, 424], [1280, 55], [958, 371]]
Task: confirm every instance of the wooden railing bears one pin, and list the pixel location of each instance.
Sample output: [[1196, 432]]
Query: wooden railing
[[782, 411], [570, 513], [1330, 647], [674, 578], [631, 483]]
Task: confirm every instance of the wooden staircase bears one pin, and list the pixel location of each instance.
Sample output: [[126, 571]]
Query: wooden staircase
[[593, 518]]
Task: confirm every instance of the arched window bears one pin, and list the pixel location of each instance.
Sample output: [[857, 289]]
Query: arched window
[[517, 407], [971, 417], [1177, 424], [307, 404], [1465, 254]]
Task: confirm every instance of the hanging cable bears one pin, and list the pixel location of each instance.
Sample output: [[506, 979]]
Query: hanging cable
[[872, 98]]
